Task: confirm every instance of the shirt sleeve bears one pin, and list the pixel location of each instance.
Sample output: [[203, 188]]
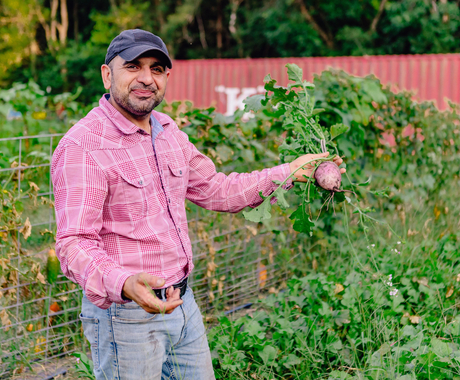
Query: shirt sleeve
[[230, 193], [80, 190]]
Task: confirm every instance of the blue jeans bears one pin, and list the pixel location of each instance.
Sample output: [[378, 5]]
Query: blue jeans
[[127, 343]]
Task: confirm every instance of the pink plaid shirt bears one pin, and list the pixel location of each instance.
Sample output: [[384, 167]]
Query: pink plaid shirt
[[120, 201]]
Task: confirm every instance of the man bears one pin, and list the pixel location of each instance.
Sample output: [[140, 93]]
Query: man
[[121, 176]]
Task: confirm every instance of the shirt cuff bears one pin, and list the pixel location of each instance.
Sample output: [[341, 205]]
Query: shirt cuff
[[280, 173], [114, 281]]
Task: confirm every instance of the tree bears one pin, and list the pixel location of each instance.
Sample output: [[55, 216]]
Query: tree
[[43, 41]]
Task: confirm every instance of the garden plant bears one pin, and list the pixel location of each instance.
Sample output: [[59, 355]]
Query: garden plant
[[367, 287]]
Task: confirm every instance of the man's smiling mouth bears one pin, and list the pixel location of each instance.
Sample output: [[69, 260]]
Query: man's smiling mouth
[[142, 93]]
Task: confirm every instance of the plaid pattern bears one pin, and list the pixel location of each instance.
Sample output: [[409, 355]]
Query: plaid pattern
[[120, 201]]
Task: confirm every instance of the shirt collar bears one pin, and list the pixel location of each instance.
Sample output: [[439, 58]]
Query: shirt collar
[[121, 122]]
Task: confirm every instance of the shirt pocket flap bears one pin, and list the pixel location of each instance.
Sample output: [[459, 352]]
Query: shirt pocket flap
[[136, 180], [177, 171]]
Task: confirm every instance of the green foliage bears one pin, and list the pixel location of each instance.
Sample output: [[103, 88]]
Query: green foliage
[[300, 117], [25, 109], [350, 323], [33, 48], [84, 366], [411, 152]]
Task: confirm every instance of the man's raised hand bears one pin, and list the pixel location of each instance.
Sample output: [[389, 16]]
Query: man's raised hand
[[135, 289], [308, 169]]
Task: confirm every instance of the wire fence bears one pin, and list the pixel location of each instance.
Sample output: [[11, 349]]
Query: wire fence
[[234, 260]]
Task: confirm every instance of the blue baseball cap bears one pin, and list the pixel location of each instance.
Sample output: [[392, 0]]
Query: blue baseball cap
[[132, 43]]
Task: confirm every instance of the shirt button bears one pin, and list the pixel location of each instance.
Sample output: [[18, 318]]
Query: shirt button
[[169, 200], [179, 229], [180, 172], [141, 182]]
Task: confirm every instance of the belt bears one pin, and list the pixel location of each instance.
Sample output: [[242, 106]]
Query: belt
[[161, 293]]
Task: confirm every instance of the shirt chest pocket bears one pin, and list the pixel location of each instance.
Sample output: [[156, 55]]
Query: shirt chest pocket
[[137, 190], [177, 181]]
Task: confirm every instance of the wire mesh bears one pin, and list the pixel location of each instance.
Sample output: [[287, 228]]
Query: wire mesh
[[234, 260]]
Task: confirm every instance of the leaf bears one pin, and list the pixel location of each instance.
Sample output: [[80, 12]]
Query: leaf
[[317, 111], [268, 354], [450, 291], [338, 129], [291, 361], [6, 322], [41, 278], [280, 94], [338, 288], [259, 213], [406, 377], [224, 152], [84, 365], [365, 183], [253, 103], [295, 73], [281, 200], [339, 375], [415, 319], [341, 317], [302, 221], [374, 90], [19, 206], [440, 348], [34, 186], [26, 230], [381, 193]]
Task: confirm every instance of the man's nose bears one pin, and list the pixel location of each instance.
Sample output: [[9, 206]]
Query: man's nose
[[145, 76]]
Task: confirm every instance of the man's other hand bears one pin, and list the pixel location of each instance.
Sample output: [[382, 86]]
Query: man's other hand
[[135, 289], [308, 169]]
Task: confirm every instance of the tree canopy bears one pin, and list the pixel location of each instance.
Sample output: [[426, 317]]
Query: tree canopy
[[61, 43]]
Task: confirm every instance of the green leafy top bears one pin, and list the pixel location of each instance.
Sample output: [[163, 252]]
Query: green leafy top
[[301, 118]]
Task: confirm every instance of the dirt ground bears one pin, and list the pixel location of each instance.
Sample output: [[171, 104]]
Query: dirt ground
[[56, 369]]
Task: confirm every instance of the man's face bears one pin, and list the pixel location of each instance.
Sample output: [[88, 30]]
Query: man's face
[[136, 86]]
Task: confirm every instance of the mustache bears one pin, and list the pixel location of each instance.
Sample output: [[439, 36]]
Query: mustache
[[145, 88]]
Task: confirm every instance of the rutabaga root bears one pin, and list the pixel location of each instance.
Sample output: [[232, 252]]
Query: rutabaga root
[[329, 178]]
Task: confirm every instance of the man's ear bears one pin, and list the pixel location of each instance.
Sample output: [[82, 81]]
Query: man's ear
[[106, 74]]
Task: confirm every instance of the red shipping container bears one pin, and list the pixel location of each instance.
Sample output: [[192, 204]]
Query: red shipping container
[[225, 83]]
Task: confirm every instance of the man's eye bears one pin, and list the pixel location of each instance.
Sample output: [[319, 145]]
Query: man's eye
[[158, 69], [131, 66]]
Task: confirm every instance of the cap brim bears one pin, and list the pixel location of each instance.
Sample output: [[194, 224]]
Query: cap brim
[[132, 53]]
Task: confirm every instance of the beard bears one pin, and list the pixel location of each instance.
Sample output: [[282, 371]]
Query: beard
[[138, 108]]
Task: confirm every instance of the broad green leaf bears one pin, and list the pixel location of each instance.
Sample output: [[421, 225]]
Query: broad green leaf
[[259, 213], [253, 103], [339, 375], [253, 328], [19, 206], [440, 348], [268, 354], [295, 73], [281, 200], [292, 360], [302, 221], [338, 129], [374, 90], [341, 317]]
